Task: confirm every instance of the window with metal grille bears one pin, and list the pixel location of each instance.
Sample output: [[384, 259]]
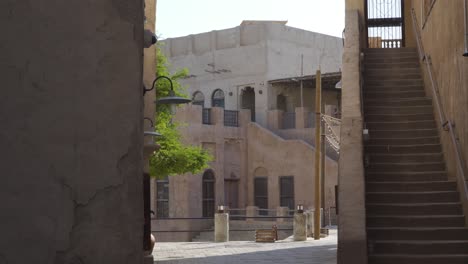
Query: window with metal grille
[[208, 192], [286, 184], [218, 98], [231, 118], [162, 198], [261, 194], [206, 116]]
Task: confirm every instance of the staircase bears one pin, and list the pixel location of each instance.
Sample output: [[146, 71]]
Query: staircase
[[414, 214]]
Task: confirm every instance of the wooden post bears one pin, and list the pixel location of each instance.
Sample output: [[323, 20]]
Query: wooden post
[[318, 110]]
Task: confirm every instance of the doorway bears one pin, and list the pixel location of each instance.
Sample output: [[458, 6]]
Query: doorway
[[231, 193], [385, 23], [248, 101]]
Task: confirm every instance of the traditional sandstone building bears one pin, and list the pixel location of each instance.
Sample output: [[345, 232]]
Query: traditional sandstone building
[[250, 112]]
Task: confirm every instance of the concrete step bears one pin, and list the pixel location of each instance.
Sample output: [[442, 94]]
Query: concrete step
[[403, 141], [397, 118], [381, 76], [411, 133], [422, 101], [401, 125], [403, 149], [393, 82], [422, 157], [392, 88], [391, 59], [415, 221], [406, 176], [377, 65], [414, 209], [407, 167], [425, 186], [420, 247], [395, 110], [393, 71], [418, 259], [412, 197], [448, 233], [376, 95]]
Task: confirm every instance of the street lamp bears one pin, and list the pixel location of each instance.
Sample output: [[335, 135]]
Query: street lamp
[[172, 99]]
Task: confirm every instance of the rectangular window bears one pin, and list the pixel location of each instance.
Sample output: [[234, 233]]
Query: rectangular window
[[287, 191], [261, 193], [162, 198]]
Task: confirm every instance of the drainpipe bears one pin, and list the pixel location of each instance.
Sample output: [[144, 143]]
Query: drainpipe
[[466, 29]]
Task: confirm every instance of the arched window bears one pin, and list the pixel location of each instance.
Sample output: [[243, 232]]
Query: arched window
[[218, 99], [208, 191], [198, 99]]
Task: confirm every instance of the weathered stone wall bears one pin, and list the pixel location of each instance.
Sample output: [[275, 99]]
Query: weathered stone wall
[[443, 39], [352, 242], [71, 139]]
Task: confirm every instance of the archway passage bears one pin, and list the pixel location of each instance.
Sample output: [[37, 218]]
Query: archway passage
[[208, 192], [248, 101], [385, 23]]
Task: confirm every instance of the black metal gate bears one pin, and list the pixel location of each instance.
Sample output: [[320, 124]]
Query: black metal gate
[[385, 23]]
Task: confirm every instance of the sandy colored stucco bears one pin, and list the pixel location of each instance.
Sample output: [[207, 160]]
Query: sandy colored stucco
[[71, 147]]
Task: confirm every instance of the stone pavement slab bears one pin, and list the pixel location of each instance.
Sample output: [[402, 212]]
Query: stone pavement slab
[[248, 252]]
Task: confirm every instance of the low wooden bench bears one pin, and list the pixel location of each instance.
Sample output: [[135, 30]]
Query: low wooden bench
[[266, 235]]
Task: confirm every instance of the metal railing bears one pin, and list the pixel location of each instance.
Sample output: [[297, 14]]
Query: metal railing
[[231, 118], [206, 116], [446, 123], [391, 43], [289, 120]]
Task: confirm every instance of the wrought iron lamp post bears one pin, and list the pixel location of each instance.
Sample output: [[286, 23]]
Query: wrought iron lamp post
[[172, 99]]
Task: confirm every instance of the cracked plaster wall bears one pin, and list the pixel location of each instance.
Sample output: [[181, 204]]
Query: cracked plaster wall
[[71, 126]]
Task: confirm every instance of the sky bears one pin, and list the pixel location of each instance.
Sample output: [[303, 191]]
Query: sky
[[176, 18]]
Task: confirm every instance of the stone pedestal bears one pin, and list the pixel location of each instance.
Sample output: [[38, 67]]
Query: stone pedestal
[[251, 211], [221, 232], [310, 223], [300, 227], [281, 211]]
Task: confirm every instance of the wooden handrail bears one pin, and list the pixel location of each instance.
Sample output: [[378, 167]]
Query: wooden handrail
[[446, 124]]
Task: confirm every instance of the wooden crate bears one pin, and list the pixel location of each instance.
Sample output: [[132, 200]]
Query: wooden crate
[[266, 235]]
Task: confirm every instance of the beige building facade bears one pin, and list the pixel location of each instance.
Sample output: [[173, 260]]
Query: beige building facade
[[247, 111]]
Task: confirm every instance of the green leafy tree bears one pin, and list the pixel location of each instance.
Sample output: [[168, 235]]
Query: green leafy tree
[[173, 157]]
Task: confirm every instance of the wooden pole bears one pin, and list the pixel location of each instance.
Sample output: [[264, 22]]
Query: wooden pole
[[318, 110]]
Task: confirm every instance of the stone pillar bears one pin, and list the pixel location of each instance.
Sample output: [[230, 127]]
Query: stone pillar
[[300, 227], [251, 211], [310, 223], [281, 211], [217, 116], [302, 113], [275, 118], [244, 117], [221, 233]]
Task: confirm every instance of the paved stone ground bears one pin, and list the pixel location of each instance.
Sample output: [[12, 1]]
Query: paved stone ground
[[246, 252]]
